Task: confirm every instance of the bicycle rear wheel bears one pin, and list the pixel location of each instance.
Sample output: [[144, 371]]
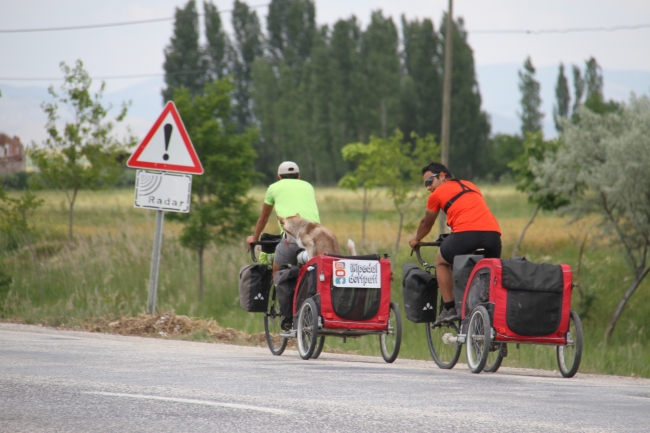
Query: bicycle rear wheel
[[272, 322]]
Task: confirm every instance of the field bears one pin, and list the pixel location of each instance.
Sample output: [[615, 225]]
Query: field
[[105, 275]]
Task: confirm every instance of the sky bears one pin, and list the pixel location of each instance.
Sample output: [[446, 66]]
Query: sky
[[138, 49]]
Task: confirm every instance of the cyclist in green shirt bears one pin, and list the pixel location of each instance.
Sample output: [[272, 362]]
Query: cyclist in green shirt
[[290, 196]]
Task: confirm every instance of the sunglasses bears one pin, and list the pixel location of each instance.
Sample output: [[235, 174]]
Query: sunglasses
[[429, 180]]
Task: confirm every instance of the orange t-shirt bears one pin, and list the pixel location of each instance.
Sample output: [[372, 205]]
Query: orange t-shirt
[[468, 213]]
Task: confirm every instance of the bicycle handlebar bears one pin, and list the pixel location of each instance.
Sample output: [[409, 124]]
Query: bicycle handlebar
[[435, 243], [254, 244]]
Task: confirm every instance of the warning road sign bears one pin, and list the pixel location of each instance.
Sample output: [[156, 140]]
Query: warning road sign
[[167, 146]]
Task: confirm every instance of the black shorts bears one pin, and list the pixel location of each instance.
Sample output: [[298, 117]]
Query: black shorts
[[457, 244]]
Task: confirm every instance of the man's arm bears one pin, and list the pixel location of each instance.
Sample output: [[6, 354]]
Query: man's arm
[[261, 223], [425, 226]]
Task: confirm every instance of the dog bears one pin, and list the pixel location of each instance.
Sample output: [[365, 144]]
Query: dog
[[313, 237]]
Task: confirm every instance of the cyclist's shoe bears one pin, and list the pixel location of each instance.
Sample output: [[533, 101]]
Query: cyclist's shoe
[[447, 316], [287, 323]]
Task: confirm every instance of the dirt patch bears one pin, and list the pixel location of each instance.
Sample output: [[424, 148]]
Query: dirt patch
[[169, 324]]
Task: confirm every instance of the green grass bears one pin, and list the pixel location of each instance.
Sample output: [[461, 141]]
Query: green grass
[[106, 274]]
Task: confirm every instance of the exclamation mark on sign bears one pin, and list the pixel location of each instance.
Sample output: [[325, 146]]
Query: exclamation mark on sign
[[168, 134]]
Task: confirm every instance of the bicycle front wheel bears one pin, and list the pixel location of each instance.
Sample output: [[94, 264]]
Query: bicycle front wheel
[[445, 354]]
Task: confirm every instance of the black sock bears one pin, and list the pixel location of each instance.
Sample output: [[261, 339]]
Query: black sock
[[449, 305]]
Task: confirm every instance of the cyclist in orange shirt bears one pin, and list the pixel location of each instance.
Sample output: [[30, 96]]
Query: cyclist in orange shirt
[[473, 226]]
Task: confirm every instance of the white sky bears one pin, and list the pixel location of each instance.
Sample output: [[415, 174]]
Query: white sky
[[138, 49]]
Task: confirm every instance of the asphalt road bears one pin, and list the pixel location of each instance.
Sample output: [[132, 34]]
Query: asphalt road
[[66, 381]]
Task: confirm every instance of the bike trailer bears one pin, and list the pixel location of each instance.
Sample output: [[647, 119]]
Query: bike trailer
[[350, 292], [529, 302]]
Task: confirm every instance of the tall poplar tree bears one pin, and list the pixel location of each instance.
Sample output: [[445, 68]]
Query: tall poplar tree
[[562, 99], [347, 82], [530, 114], [578, 89], [421, 83], [469, 126], [247, 47], [184, 65], [593, 79], [217, 49], [381, 67], [291, 26]]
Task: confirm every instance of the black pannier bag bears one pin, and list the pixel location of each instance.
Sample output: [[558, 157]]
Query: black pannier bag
[[285, 286], [535, 296], [420, 294], [462, 268], [254, 286]]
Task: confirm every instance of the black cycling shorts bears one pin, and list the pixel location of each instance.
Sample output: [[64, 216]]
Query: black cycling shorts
[[457, 244]]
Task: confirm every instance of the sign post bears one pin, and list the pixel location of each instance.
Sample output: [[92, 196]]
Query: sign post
[[167, 148]]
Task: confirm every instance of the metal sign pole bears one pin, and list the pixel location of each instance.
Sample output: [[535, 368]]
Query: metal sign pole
[[155, 261]]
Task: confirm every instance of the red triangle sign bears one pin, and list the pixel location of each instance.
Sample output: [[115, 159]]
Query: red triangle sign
[[167, 146]]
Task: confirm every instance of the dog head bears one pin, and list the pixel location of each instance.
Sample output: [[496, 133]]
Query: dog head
[[291, 224]]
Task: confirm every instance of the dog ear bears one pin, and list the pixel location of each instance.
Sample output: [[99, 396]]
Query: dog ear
[[297, 215], [281, 220]]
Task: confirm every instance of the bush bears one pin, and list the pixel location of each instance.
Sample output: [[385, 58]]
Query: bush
[[16, 181]]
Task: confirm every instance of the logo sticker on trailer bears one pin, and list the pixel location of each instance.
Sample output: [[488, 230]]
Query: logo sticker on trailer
[[357, 273]]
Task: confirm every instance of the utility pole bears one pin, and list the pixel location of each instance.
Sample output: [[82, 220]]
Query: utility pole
[[446, 100]]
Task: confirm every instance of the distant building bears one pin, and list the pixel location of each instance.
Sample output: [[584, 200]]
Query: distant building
[[12, 155]]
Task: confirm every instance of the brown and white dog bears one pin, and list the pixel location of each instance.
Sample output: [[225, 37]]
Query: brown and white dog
[[313, 237]]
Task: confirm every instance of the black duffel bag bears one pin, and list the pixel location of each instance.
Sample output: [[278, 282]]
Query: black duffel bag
[[420, 294], [254, 286], [286, 279]]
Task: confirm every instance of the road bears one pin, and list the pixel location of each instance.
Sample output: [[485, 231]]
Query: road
[[67, 381]]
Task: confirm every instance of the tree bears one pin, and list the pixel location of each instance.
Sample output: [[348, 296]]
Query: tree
[[81, 153], [220, 210], [469, 125], [365, 175], [393, 163], [578, 89], [504, 148], [217, 49], [530, 114], [291, 26], [184, 63], [347, 85], [421, 83], [247, 47], [381, 69], [602, 169], [562, 99], [536, 149], [15, 219], [593, 78]]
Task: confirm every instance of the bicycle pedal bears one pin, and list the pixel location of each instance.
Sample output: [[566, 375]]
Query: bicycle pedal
[[289, 334]]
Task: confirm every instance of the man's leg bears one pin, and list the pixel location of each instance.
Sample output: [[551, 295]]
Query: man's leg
[[446, 285], [285, 254], [445, 279]]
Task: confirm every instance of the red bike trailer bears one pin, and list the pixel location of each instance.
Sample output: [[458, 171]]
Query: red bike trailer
[[508, 301], [345, 296]]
